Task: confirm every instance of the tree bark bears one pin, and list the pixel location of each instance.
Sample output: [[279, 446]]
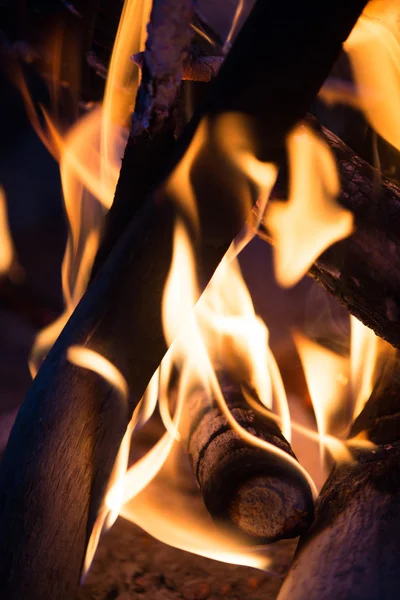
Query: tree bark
[[363, 270], [63, 445], [152, 135], [352, 550]]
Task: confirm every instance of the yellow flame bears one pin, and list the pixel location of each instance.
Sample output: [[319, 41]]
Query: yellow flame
[[172, 515], [327, 376], [234, 25], [90, 156], [6, 245], [223, 331], [311, 220], [374, 50], [236, 137], [123, 73], [179, 185], [364, 353], [89, 359], [181, 290]]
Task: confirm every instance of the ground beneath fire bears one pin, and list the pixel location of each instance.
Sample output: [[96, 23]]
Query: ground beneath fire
[[130, 564]]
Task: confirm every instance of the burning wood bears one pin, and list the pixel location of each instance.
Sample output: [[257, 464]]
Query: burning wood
[[119, 319], [361, 270], [262, 494], [351, 549]]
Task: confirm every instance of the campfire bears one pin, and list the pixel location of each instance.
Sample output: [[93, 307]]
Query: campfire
[[160, 341]]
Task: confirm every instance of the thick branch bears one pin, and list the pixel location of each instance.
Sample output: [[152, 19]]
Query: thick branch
[[363, 270], [352, 549], [151, 138], [67, 433]]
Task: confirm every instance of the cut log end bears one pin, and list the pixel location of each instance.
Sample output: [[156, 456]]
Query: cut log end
[[270, 508]]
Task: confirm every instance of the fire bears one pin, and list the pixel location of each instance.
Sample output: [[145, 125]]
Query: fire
[[327, 378], [373, 48], [223, 331], [88, 359], [311, 220], [374, 51], [90, 154], [6, 244], [364, 353], [219, 321]]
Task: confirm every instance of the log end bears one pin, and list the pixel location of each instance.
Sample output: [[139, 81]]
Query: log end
[[270, 508]]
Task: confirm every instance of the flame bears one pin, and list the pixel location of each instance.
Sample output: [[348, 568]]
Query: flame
[[311, 220], [327, 377], [6, 244], [234, 25], [179, 185], [223, 331], [179, 519], [123, 74], [89, 359], [236, 137], [368, 354], [144, 471], [373, 47], [89, 155], [225, 310], [364, 353]]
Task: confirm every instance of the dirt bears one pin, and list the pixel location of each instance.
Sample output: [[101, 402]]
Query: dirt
[[130, 564]]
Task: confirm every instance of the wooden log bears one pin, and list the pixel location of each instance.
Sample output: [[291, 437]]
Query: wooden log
[[151, 138], [363, 270], [352, 550], [259, 493], [65, 439]]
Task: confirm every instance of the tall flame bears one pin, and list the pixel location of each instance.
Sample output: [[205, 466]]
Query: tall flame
[[223, 331], [327, 377], [374, 50], [6, 244], [311, 219], [89, 155]]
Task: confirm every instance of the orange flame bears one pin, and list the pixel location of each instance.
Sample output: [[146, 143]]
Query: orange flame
[[327, 377], [179, 521], [89, 156], [311, 220], [224, 329], [6, 245], [374, 50]]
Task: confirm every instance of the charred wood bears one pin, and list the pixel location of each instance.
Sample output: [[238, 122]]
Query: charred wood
[[363, 270], [288, 502], [151, 139], [66, 436], [258, 493], [352, 550]]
